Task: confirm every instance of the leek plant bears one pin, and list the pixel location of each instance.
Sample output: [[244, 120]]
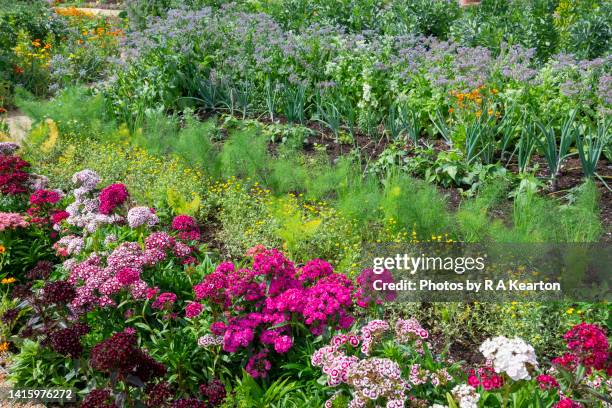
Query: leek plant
[[555, 156], [410, 123], [590, 148], [526, 146]]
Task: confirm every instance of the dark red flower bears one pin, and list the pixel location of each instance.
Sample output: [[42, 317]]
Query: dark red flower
[[68, 341], [98, 399], [13, 177]]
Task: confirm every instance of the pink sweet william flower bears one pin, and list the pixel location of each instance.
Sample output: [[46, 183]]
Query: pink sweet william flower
[[282, 344], [187, 227], [164, 301], [567, 403], [193, 309], [12, 221], [257, 249], [128, 276], [59, 216], [258, 365], [218, 328], [314, 270], [111, 197], [139, 216], [42, 197], [547, 381], [150, 293]]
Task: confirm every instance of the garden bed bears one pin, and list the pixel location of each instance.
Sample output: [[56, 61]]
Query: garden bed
[[185, 219]]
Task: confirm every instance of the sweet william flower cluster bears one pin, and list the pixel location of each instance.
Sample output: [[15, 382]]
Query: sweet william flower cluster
[[84, 211], [261, 303], [513, 357]]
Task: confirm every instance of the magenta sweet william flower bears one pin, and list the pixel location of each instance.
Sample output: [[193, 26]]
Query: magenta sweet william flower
[[238, 334], [187, 227], [150, 293], [42, 197], [128, 276], [326, 300], [487, 377], [547, 381], [212, 288], [258, 365], [218, 328], [567, 403], [193, 309], [589, 343], [314, 270], [13, 175], [111, 197], [367, 293], [59, 216], [273, 264], [282, 344], [164, 301]]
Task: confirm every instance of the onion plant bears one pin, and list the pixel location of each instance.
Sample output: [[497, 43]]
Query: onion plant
[[556, 155]]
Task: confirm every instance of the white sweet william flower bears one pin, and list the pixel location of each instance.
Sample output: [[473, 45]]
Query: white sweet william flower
[[510, 356], [466, 396]]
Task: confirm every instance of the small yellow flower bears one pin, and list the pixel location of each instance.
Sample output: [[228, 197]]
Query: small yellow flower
[[6, 281], [570, 311]]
